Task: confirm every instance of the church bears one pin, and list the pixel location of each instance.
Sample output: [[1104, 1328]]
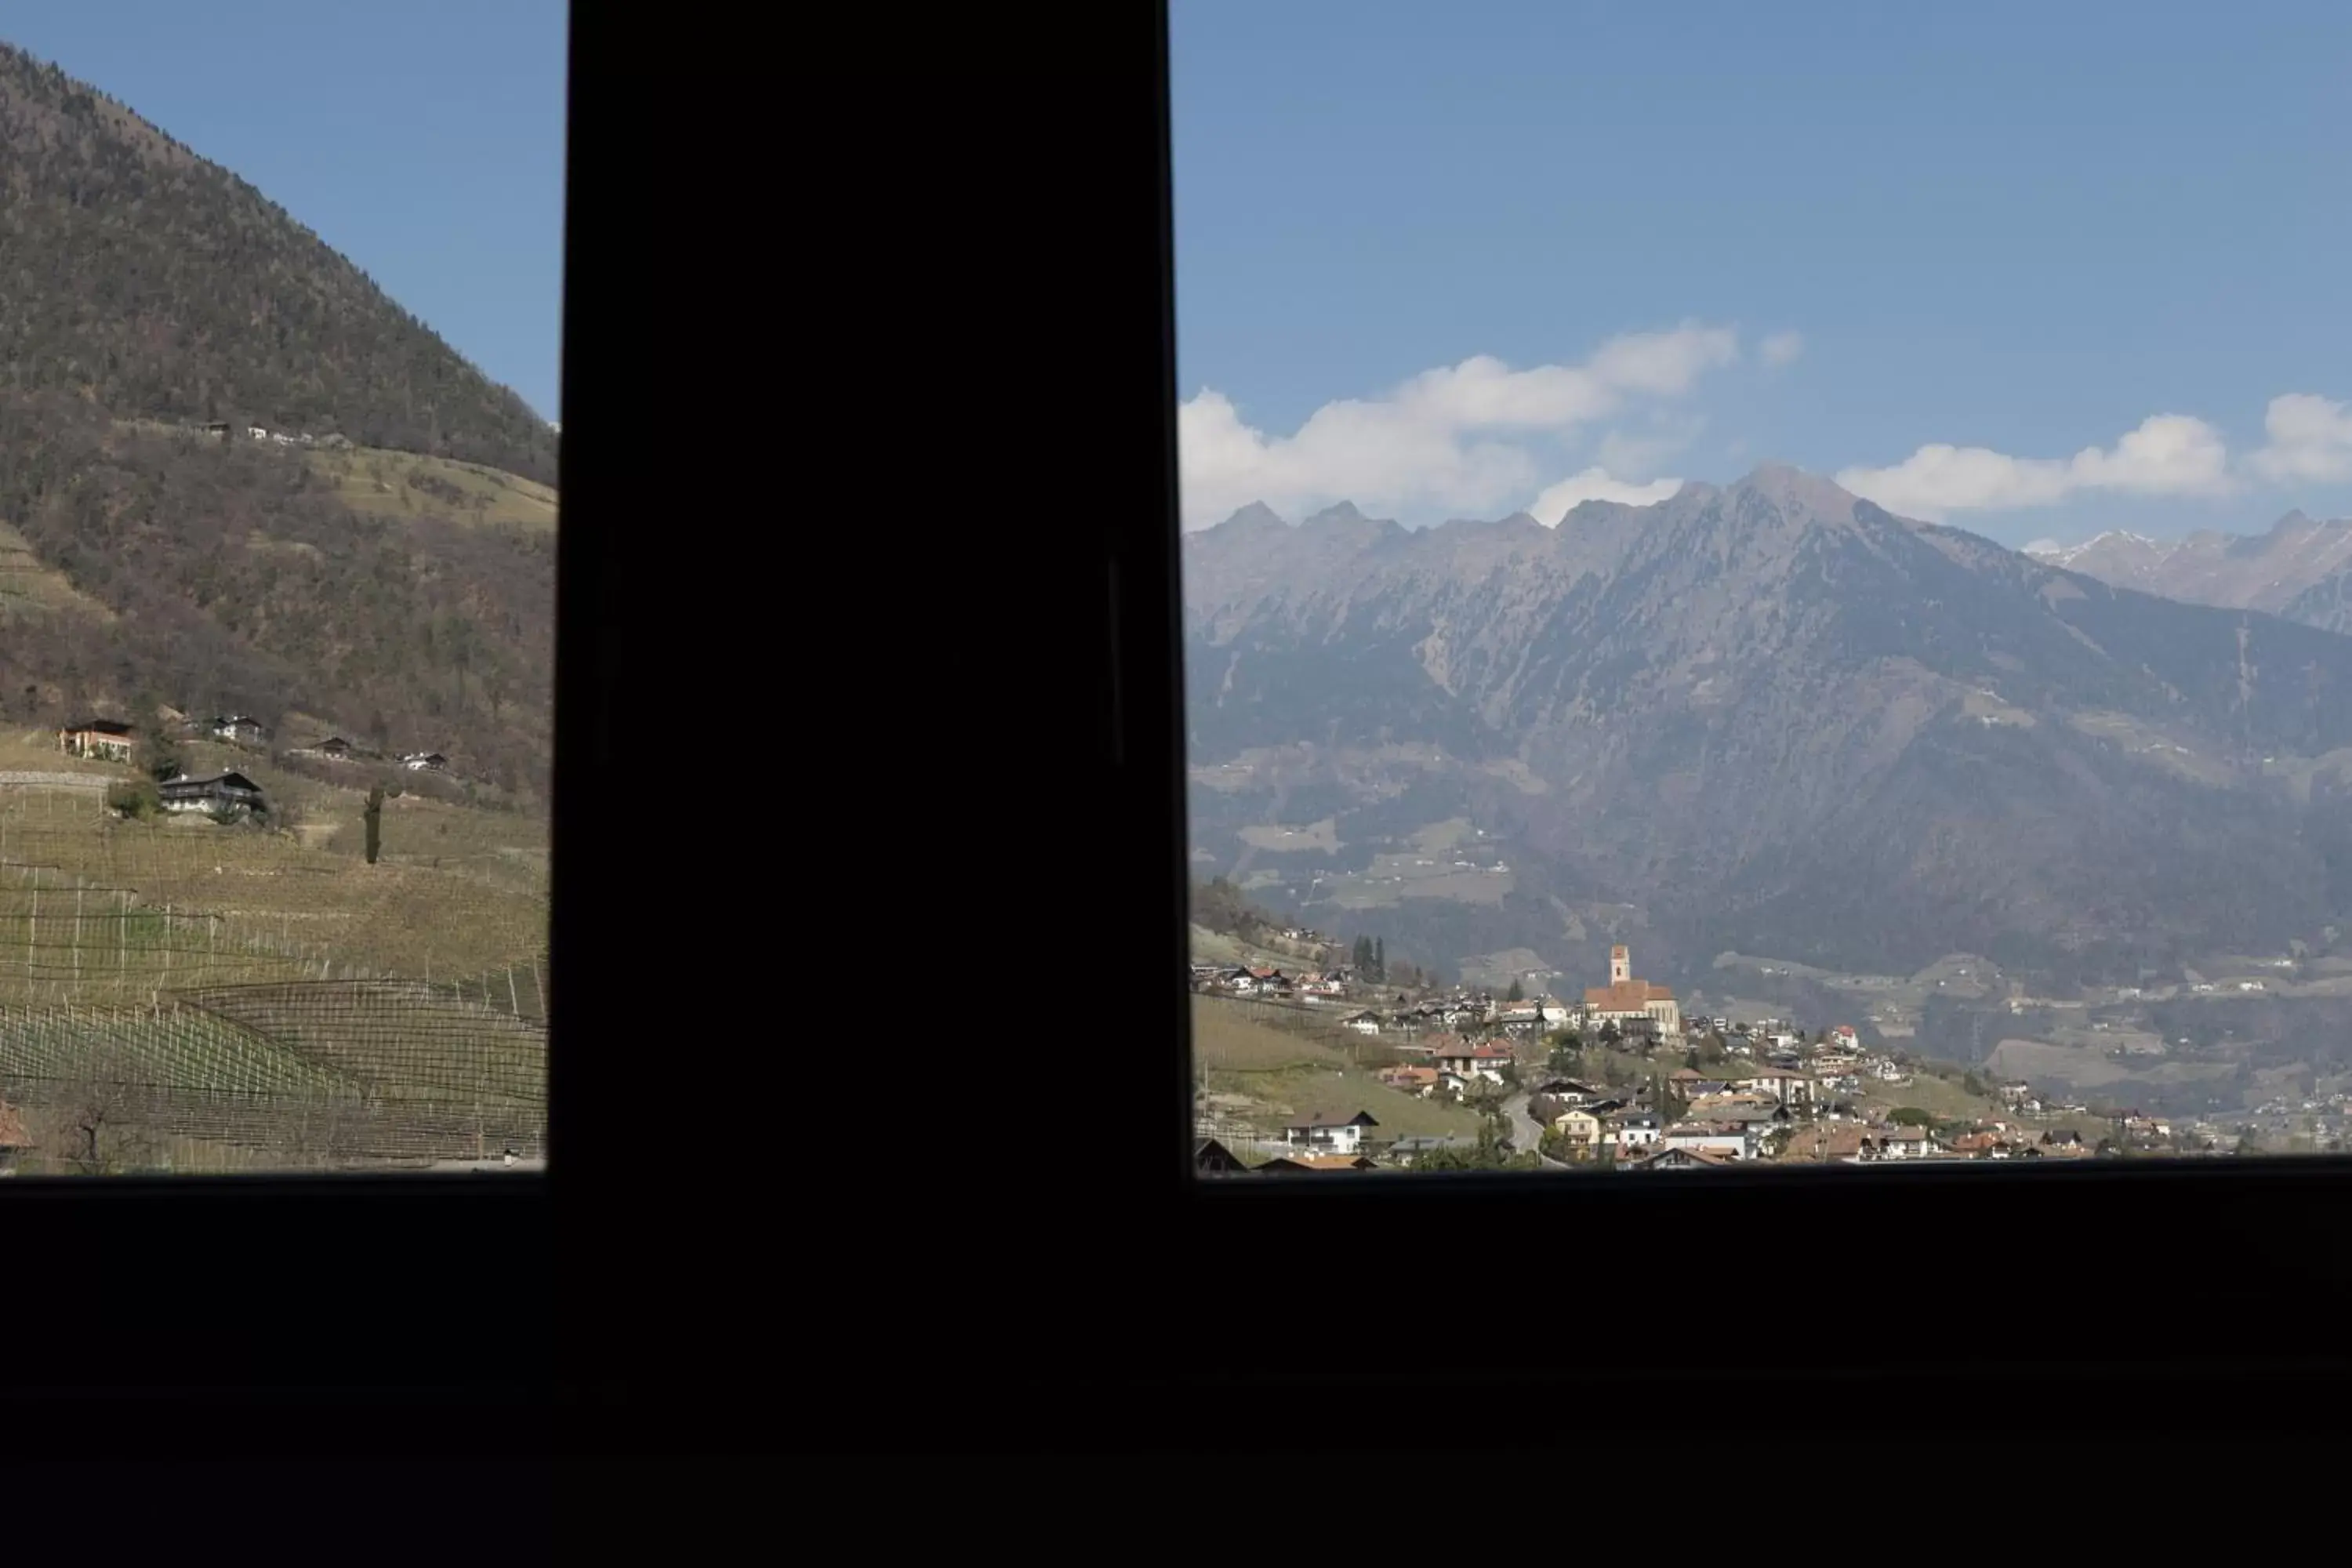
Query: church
[[1632, 1003]]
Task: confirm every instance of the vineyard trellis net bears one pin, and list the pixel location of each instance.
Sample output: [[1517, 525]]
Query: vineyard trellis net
[[226, 1026]]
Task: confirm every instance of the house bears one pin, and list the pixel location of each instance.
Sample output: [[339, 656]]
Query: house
[[1981, 1144], [218, 429], [1632, 1003], [1727, 1139], [242, 727], [1838, 1144], [230, 794], [1632, 1131], [333, 746], [1905, 1143], [1677, 1159], [1788, 1087], [1419, 1082], [1211, 1158], [1568, 1088], [1282, 1163], [1329, 1133], [1579, 1129], [106, 739], [1257, 981], [425, 762], [256, 432], [1759, 1118], [1484, 1062], [1365, 1023]]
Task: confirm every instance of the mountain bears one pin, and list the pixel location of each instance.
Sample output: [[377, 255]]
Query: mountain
[[2296, 569], [399, 590], [1771, 718], [161, 286]]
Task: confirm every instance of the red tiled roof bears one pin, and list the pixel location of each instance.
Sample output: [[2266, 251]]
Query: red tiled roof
[[1625, 995]]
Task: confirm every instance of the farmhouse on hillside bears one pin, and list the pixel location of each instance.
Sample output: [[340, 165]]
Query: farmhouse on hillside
[[241, 728], [104, 738], [232, 794], [425, 762]]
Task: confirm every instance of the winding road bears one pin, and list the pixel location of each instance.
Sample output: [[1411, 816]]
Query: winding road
[[1526, 1132]]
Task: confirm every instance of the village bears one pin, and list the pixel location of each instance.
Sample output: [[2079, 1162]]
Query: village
[[1621, 1079]]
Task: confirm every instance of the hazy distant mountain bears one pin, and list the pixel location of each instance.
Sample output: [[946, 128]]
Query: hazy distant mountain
[[1772, 718], [2296, 570]]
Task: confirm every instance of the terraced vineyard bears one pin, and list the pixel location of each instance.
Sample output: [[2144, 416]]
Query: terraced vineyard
[[183, 986]]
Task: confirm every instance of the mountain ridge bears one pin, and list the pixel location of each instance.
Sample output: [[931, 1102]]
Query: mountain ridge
[[2301, 567], [160, 285], [1771, 711]]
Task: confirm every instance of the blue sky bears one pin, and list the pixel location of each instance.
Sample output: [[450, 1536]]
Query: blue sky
[[2089, 246], [425, 139]]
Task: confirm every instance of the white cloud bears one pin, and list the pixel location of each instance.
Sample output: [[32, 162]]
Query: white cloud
[[1448, 439], [1595, 484], [1638, 456], [2168, 455], [1781, 348], [2310, 439]]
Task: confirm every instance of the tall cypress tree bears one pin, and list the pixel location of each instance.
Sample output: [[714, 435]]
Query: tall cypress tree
[[374, 816]]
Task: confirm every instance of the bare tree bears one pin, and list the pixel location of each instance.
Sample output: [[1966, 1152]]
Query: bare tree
[[99, 1124]]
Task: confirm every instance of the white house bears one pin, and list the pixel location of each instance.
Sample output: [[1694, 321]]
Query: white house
[[1782, 1084], [1328, 1132], [1363, 1023], [1633, 1131], [1711, 1138], [1905, 1143]]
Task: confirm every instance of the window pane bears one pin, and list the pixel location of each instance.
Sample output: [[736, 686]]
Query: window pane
[[278, 351], [1762, 586]]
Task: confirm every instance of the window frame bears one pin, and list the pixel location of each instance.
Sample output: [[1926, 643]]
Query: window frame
[[1983, 1233]]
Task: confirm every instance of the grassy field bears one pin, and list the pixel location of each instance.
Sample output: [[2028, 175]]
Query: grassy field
[[367, 479], [1281, 1093], [1285, 1072], [1225, 1036], [93, 907]]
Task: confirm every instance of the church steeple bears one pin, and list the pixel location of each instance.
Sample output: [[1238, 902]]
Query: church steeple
[[1621, 964]]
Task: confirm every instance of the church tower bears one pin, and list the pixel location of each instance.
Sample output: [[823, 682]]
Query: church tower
[[1621, 964]]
